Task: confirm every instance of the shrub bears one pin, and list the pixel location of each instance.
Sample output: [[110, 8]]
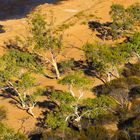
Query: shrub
[[121, 135], [8, 134], [2, 113]]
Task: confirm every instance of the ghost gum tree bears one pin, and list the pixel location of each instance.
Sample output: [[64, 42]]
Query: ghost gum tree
[[124, 20], [70, 108], [16, 79], [103, 60], [132, 46], [70, 111], [63, 106], [80, 83], [44, 41], [101, 105], [120, 22]]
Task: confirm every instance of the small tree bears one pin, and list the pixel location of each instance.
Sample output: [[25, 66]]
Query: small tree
[[3, 113], [78, 81], [121, 22], [117, 12], [124, 20], [104, 60], [99, 106], [81, 83], [134, 44], [133, 13], [134, 128], [9, 134], [121, 135], [16, 79], [131, 47], [44, 39], [19, 91], [56, 117]]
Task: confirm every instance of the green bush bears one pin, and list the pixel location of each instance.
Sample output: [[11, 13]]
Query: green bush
[[133, 70], [2, 113], [121, 135], [8, 134]]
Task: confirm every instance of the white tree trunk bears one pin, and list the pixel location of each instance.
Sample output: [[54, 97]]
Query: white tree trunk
[[108, 77], [54, 63], [18, 94], [56, 70], [30, 110], [23, 104], [116, 72], [71, 91]]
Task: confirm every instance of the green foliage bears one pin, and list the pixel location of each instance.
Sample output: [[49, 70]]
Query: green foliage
[[97, 133], [9, 134], [118, 85], [37, 93], [102, 101], [124, 20], [17, 59], [133, 70], [17, 66], [64, 134], [25, 81], [8, 70], [101, 57], [104, 119], [121, 22], [135, 39], [77, 80], [56, 118], [38, 29], [132, 46], [100, 105], [66, 66], [92, 57], [117, 12], [43, 35], [134, 128], [121, 135], [133, 12], [3, 113], [63, 97]]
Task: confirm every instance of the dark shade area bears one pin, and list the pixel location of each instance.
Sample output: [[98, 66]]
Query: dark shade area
[[13, 9]]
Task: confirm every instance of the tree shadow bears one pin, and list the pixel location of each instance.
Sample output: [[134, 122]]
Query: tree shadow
[[126, 123], [15, 9], [70, 65], [10, 94], [99, 90], [103, 29], [46, 105]]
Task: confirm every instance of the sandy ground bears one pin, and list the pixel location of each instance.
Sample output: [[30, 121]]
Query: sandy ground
[[74, 37]]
